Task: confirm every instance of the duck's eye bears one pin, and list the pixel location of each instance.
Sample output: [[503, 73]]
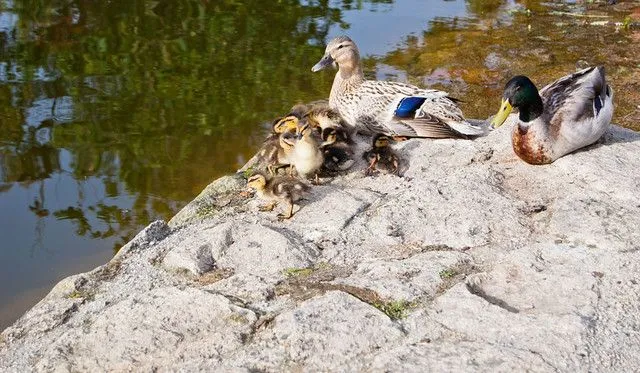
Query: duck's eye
[[340, 46]]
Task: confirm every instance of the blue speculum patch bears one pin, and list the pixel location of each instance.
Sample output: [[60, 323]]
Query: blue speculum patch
[[408, 106]]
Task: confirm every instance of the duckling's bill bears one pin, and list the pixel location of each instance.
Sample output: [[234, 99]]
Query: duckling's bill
[[501, 117], [325, 62]]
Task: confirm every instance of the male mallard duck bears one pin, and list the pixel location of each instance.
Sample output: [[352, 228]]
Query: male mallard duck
[[381, 155], [307, 156], [392, 108], [570, 113], [278, 189]]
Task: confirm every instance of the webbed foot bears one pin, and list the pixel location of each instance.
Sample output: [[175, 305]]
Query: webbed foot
[[268, 207]]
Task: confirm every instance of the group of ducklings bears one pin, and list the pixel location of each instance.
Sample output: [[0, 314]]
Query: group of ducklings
[[564, 116], [310, 141]]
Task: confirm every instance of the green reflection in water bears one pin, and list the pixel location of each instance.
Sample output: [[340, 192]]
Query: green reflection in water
[[156, 98], [113, 114]]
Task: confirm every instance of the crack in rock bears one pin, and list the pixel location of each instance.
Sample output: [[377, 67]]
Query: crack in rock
[[476, 290]]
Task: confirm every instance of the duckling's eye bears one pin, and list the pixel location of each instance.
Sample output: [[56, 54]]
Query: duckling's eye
[[340, 46]]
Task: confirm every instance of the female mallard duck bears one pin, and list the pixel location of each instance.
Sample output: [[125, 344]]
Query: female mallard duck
[[278, 189], [569, 114], [392, 108], [381, 155]]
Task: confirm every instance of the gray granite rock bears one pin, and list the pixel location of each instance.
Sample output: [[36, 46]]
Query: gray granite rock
[[470, 260]]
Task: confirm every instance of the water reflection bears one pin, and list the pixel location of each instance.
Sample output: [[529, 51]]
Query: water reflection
[[473, 57]]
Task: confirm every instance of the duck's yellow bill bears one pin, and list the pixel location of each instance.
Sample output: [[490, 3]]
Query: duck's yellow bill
[[505, 110]]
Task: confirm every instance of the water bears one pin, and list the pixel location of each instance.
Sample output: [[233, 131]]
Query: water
[[114, 114]]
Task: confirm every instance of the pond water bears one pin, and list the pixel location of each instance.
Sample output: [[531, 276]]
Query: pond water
[[114, 114]]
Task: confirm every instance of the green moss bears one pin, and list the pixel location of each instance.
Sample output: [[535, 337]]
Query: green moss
[[448, 273], [247, 173], [298, 272], [396, 310], [241, 319], [204, 211], [81, 294]]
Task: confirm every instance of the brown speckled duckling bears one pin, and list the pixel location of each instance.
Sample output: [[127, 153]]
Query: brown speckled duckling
[[381, 156], [278, 189]]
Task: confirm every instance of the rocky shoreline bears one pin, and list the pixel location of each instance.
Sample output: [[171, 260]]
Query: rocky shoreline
[[471, 260]]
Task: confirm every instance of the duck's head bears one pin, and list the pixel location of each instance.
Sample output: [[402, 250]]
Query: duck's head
[[323, 117], [298, 110], [329, 136], [286, 124], [305, 130], [520, 93], [381, 141], [341, 51], [257, 181], [288, 140]]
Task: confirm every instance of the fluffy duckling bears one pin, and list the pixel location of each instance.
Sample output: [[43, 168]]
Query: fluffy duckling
[[569, 114], [278, 189], [381, 155], [338, 155], [278, 146], [301, 110], [307, 156], [325, 118]]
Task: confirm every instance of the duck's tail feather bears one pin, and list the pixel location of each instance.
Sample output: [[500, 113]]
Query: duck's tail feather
[[471, 128]]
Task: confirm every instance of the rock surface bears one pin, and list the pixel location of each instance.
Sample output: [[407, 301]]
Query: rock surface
[[470, 261]]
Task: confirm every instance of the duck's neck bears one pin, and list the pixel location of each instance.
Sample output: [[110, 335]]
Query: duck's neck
[[532, 110], [348, 78]]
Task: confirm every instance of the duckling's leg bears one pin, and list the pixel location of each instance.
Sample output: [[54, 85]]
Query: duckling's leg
[[268, 206], [372, 166], [272, 169], [289, 215], [396, 167]]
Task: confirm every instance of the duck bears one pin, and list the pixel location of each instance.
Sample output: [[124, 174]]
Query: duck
[[382, 156], [338, 154], [300, 110], [564, 116], [330, 123], [391, 108], [278, 146], [277, 189], [307, 156]]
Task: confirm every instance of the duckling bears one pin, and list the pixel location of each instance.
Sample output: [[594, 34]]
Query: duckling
[[307, 155], [278, 145], [278, 189], [300, 110], [381, 155], [568, 114], [325, 119], [338, 155]]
